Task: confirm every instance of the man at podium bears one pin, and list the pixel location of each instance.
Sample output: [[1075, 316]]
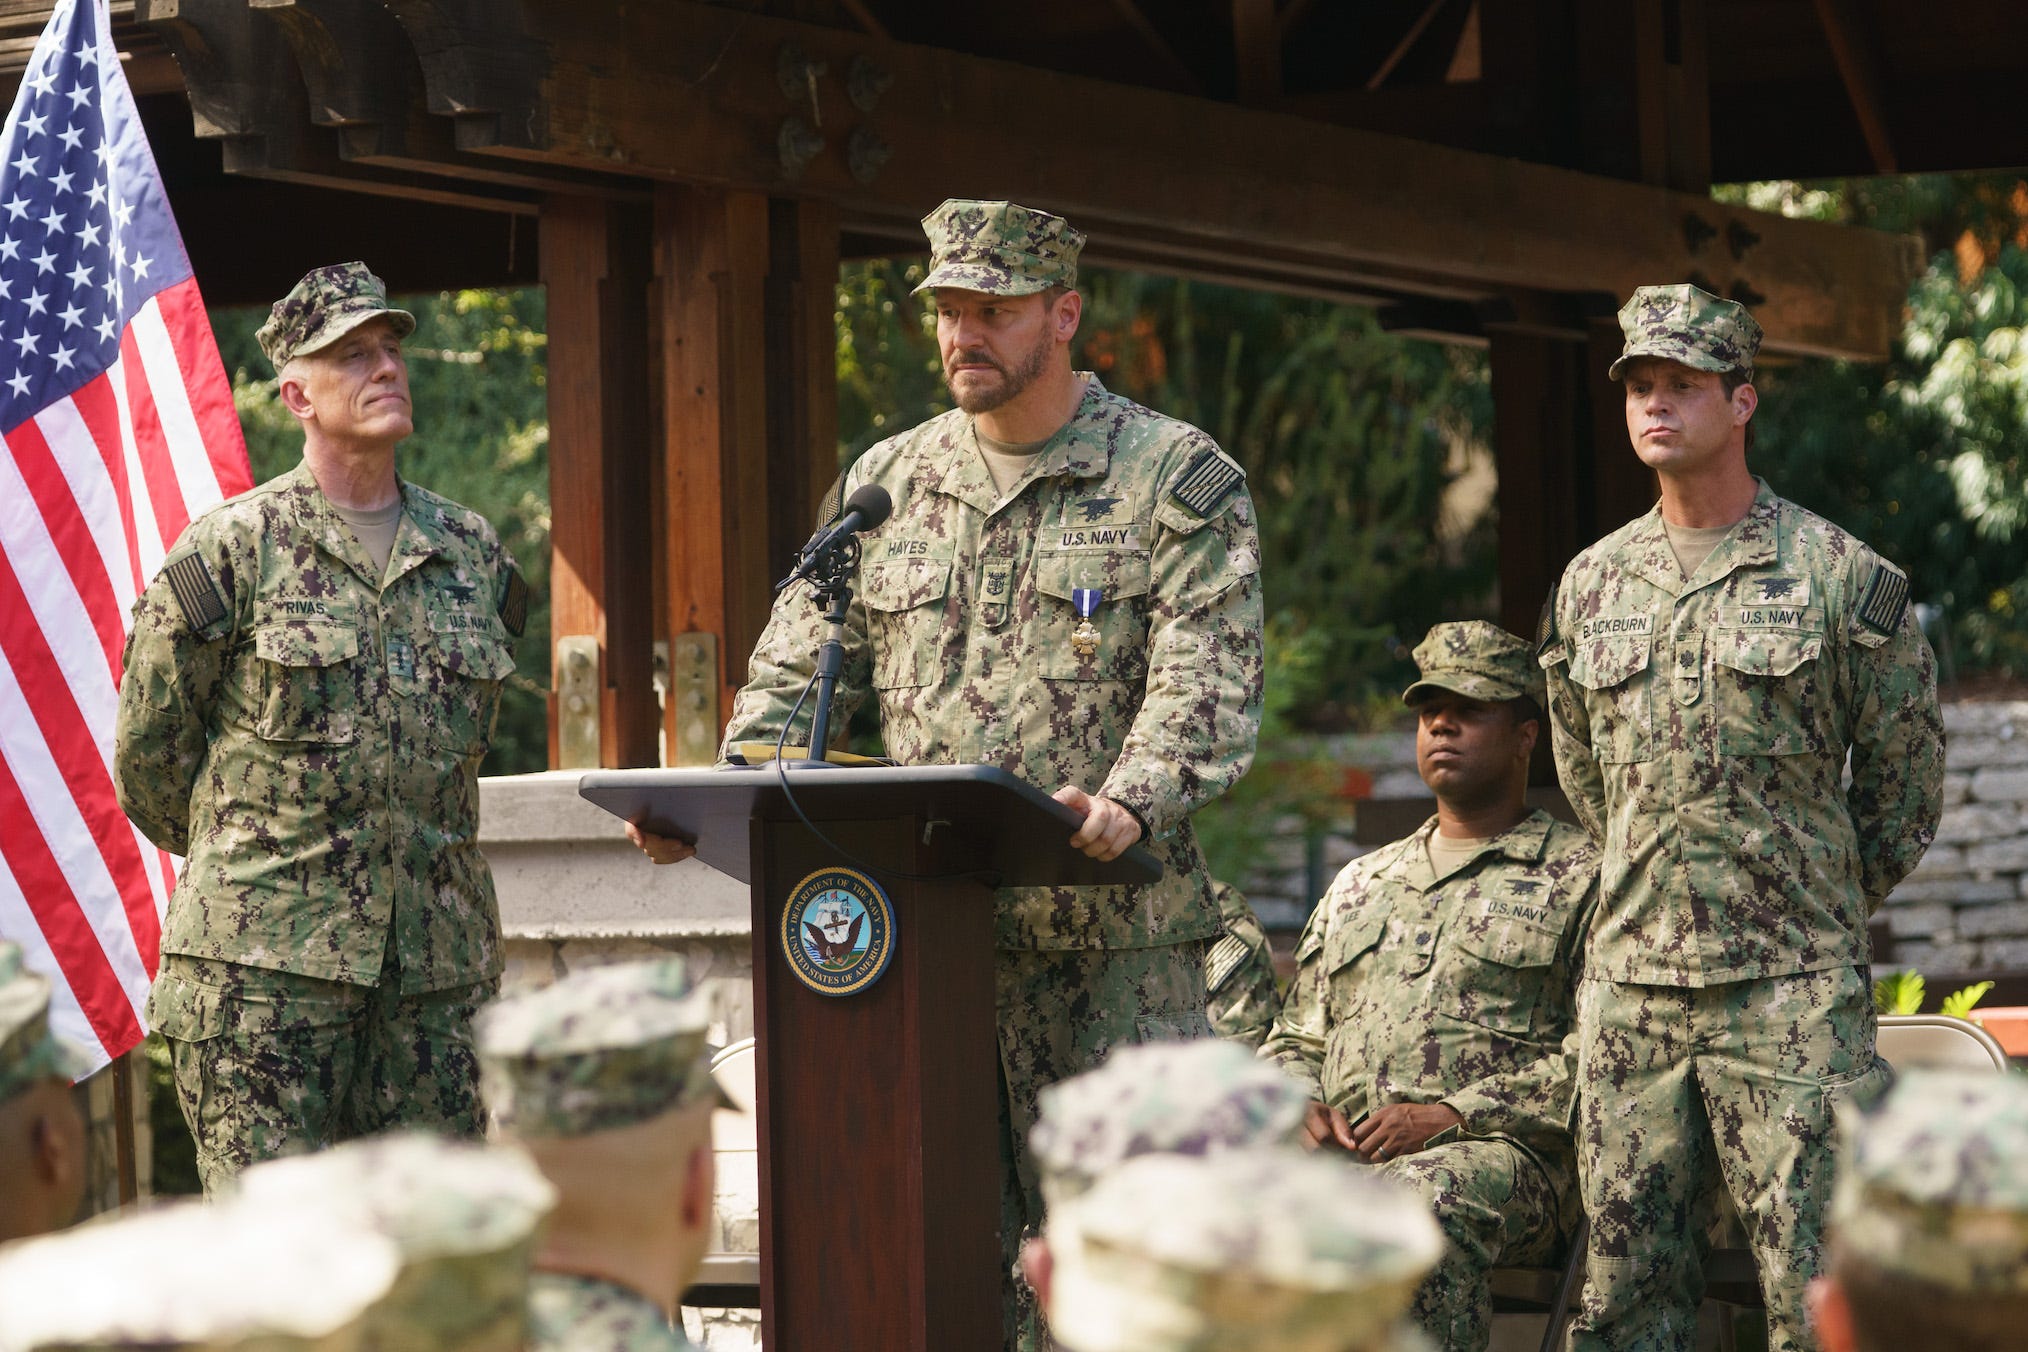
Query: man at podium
[[1067, 588]]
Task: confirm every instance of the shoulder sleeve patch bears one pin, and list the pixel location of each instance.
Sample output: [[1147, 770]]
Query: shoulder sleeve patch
[[1209, 480], [1224, 959], [196, 591], [832, 503], [1883, 598], [514, 602], [1545, 628]]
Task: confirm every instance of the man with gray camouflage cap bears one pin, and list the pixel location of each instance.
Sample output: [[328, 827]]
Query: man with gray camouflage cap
[[310, 684], [1928, 1226], [42, 1145], [1232, 1252], [1170, 1098], [1433, 987], [605, 1078], [1716, 670], [1067, 589]]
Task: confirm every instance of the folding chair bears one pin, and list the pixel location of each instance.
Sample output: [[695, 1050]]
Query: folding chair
[[1549, 1291]]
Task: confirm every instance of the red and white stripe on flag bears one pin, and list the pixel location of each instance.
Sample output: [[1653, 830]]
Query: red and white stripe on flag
[[116, 429]]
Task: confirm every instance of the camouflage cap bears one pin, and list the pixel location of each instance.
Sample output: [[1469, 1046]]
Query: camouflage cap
[[326, 305], [1687, 324], [1183, 1098], [1238, 1250], [599, 1049], [999, 247], [465, 1218], [29, 1052], [205, 1278], [1933, 1181], [1478, 660]]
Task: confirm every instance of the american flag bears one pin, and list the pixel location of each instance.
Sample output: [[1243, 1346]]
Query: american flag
[[118, 428]]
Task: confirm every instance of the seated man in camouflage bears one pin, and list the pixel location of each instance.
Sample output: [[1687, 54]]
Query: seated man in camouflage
[[42, 1147], [605, 1078], [1235, 1251], [1929, 1219], [1434, 981]]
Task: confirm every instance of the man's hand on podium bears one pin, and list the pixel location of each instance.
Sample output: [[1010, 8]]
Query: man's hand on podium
[[1108, 829], [661, 849]]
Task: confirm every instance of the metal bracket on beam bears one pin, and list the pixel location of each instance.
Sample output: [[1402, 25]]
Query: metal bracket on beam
[[693, 685], [577, 702]]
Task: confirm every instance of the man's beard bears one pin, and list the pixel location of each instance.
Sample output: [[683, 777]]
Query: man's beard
[[1012, 382]]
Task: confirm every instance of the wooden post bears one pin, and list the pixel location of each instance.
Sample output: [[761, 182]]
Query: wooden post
[[595, 259], [711, 264], [802, 338], [1536, 426]]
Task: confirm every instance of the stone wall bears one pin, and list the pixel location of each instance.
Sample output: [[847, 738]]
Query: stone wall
[[1965, 909]]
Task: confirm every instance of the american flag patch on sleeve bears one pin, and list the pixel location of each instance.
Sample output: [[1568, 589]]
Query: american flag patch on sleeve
[[1224, 959], [196, 591], [1208, 481], [1886, 598]]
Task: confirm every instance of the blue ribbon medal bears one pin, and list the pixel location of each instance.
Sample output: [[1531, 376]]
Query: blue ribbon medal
[[1084, 640]]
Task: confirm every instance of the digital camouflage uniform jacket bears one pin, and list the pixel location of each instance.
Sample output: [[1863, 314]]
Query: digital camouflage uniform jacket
[[1411, 988], [583, 1314], [310, 738], [961, 627], [1701, 730]]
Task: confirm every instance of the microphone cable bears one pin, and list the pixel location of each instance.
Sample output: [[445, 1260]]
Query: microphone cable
[[984, 877]]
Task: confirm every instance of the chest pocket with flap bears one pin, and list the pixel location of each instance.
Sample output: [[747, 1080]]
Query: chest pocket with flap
[[1618, 696], [309, 682], [904, 600], [462, 685], [1768, 700], [1121, 618]]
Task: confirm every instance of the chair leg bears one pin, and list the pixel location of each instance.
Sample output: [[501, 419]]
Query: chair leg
[[1566, 1290]]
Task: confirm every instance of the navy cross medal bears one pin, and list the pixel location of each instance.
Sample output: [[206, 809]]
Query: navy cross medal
[[1084, 639]]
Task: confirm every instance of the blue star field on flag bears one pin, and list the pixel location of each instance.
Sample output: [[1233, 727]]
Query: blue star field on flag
[[86, 236]]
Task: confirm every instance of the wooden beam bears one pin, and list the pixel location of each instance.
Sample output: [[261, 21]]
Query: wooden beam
[[1406, 45], [595, 268], [802, 377], [711, 261], [1859, 69], [698, 101], [1158, 46], [1257, 52]]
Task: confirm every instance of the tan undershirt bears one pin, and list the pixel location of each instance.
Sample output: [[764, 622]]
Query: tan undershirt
[[1007, 462], [1693, 544], [1450, 852], [374, 530]]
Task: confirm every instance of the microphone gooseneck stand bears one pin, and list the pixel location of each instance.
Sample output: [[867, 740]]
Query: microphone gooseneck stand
[[830, 575]]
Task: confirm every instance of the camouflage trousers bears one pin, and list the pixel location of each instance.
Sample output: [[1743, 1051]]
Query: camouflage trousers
[[1061, 1012], [1685, 1092], [1497, 1208], [271, 1063]]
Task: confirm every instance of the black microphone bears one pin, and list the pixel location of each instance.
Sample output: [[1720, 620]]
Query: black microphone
[[867, 508]]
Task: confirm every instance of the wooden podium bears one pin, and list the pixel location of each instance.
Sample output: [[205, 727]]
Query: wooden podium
[[879, 1153]]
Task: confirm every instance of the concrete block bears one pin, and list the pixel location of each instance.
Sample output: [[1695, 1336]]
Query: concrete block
[[1998, 856], [1930, 957], [1939, 861], [2000, 955], [2000, 786], [1956, 891], [2008, 920], [2002, 718], [1956, 788], [1405, 784], [1919, 922], [531, 965], [1976, 823]]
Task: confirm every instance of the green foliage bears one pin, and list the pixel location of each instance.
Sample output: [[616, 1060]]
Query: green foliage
[[477, 373], [1903, 993], [1925, 457], [1959, 1004], [889, 375], [1233, 829], [1899, 993]]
